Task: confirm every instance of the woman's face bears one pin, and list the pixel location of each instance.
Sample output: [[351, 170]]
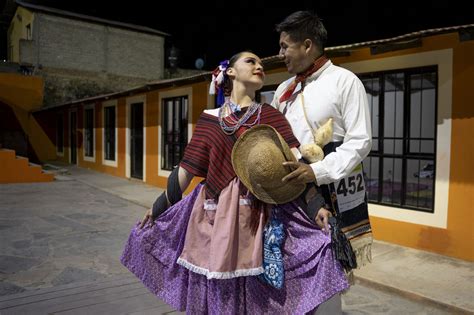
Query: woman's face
[[248, 69]]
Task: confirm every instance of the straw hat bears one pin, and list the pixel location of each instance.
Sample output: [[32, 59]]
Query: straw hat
[[257, 159]]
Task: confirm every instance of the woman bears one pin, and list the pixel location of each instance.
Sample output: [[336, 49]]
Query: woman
[[204, 253]]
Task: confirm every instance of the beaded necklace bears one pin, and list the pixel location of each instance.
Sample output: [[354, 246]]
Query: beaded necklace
[[232, 123]]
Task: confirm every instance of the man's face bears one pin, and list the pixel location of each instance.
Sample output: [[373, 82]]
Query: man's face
[[294, 54]]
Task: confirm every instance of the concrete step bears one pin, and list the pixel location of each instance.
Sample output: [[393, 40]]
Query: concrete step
[[47, 167], [18, 169], [123, 294]]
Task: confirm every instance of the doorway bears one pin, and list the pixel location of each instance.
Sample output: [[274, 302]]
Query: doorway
[[73, 137], [136, 140]]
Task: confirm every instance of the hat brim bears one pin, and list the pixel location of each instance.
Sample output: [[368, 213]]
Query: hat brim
[[276, 192]]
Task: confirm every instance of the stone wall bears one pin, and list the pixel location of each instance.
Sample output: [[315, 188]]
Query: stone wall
[[78, 45], [62, 86]]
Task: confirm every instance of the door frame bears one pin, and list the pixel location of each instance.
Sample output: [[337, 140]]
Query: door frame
[[71, 111], [128, 121]]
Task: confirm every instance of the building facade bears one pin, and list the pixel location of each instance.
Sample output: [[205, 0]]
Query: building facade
[[80, 56], [418, 175]]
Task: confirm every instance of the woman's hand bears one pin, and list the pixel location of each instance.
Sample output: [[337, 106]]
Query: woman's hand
[[322, 218], [147, 218]]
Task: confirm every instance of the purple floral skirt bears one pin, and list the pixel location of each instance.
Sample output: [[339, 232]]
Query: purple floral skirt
[[312, 275]]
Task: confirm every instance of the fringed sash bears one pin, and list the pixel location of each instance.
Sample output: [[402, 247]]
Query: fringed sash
[[353, 214]]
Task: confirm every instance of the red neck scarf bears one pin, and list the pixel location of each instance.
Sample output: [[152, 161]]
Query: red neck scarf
[[318, 63]]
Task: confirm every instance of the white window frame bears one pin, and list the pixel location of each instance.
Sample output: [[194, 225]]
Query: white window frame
[[111, 103], [94, 142], [444, 60], [185, 91]]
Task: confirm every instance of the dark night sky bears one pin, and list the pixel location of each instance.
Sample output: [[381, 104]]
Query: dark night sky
[[214, 30]]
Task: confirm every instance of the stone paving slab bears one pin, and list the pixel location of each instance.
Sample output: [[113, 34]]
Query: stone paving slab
[[76, 301], [440, 279], [62, 232], [124, 305], [126, 295], [118, 295], [77, 290], [79, 286], [364, 298]]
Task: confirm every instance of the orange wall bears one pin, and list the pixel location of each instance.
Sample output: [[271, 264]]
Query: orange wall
[[97, 165], [461, 189], [24, 94], [199, 99], [457, 240], [152, 149]]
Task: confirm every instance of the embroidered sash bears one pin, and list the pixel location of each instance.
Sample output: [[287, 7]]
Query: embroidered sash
[[348, 198]]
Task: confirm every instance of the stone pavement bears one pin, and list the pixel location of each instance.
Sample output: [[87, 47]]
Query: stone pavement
[[126, 295], [60, 232], [56, 235], [422, 275]]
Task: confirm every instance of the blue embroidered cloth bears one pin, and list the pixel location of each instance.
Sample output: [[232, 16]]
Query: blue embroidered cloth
[[273, 237]]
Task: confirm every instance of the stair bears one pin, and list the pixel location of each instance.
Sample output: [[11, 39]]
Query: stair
[[17, 169]]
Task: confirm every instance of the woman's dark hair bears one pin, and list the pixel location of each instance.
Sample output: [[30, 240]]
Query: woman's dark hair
[[302, 25]]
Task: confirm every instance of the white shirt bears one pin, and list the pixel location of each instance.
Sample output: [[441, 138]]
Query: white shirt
[[334, 92]]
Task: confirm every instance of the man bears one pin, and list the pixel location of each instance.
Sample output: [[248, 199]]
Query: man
[[320, 91]]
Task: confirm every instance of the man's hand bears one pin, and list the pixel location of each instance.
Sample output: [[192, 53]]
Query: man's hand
[[303, 173], [322, 218], [147, 218]]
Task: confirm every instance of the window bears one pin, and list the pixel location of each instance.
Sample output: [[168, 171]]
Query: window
[[174, 131], [400, 169], [109, 132], [60, 133], [89, 132], [266, 94]]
